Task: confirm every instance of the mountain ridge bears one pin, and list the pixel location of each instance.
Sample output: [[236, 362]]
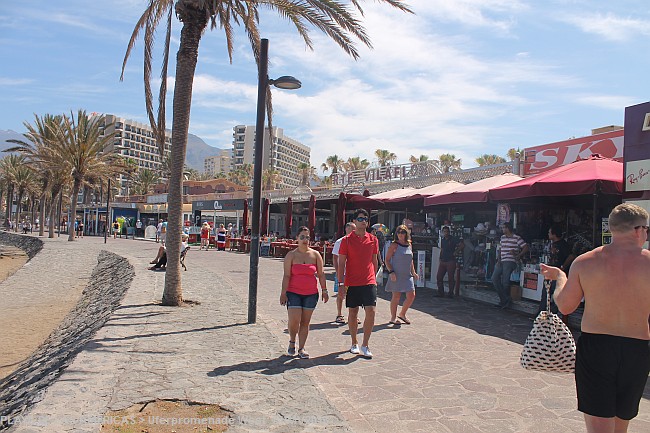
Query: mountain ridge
[[197, 149]]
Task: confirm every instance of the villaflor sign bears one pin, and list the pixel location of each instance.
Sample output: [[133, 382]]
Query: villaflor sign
[[386, 174]]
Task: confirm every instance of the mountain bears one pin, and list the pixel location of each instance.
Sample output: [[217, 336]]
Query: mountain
[[197, 149], [8, 134]]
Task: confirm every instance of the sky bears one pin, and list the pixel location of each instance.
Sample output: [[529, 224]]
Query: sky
[[466, 77]]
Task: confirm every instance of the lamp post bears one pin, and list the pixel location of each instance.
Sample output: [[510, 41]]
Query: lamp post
[[284, 82]]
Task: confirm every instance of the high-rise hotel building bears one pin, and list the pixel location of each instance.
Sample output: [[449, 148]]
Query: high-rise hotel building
[[136, 141], [283, 155], [221, 163]]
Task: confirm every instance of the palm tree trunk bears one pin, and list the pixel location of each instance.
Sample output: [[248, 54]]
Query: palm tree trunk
[[41, 215], [52, 214], [18, 209], [10, 199], [73, 209], [194, 22]]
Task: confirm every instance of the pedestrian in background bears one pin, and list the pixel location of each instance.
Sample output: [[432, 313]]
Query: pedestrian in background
[[401, 274], [303, 270], [205, 236], [447, 264], [512, 248]]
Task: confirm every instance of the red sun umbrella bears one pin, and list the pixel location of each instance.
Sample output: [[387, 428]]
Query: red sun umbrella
[[264, 223], [475, 192], [245, 218], [312, 216], [340, 215], [585, 177], [289, 221], [416, 197]]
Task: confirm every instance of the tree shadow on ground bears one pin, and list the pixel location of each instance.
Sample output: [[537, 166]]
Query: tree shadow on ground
[[479, 317], [284, 363], [160, 334]]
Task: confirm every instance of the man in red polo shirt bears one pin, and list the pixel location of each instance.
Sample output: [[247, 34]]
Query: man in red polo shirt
[[357, 268]]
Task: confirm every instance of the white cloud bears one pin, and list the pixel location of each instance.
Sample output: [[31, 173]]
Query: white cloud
[[609, 26], [15, 81], [608, 102]]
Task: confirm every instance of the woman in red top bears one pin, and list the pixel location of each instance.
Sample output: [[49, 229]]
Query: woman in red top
[[300, 290], [205, 236]]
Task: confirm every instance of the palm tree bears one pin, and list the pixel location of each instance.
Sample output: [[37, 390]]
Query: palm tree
[[413, 159], [334, 18], [165, 169], [512, 153], [486, 159], [326, 182], [271, 178], [220, 175], [25, 181], [38, 139], [332, 162], [385, 157], [144, 182], [9, 166], [448, 162], [307, 173], [80, 145], [356, 163]]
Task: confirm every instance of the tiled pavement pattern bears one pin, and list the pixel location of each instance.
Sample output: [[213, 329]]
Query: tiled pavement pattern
[[455, 369]]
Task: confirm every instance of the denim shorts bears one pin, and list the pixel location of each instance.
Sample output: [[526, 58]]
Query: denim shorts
[[306, 302]]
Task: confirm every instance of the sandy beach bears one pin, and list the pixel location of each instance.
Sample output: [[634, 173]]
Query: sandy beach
[[25, 327]]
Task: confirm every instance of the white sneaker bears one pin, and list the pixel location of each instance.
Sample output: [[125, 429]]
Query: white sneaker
[[365, 352], [355, 349]]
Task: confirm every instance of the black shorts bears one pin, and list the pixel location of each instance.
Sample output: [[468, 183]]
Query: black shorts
[[361, 296], [611, 373]]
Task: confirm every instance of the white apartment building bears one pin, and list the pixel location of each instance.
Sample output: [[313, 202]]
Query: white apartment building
[[283, 155], [134, 140], [221, 163]]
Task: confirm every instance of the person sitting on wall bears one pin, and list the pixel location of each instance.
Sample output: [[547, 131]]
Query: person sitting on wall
[[161, 258]]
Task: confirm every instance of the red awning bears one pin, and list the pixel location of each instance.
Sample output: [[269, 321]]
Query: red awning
[[589, 176], [416, 197], [361, 201], [475, 192]]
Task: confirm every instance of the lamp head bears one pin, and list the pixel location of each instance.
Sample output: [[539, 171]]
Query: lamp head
[[286, 82]]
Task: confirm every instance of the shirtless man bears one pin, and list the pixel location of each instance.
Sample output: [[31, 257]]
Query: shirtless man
[[613, 354]]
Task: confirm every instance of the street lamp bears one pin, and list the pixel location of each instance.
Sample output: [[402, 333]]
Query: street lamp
[[287, 83]]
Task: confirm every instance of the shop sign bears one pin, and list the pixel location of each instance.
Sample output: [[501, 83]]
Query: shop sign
[[637, 175], [385, 174], [420, 268], [548, 156], [214, 205], [607, 235]]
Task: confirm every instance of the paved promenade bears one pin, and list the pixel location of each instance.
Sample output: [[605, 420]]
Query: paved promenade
[[454, 369]]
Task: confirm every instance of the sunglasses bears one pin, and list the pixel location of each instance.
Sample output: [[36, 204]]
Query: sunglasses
[[401, 232], [304, 237], [641, 227], [362, 219]]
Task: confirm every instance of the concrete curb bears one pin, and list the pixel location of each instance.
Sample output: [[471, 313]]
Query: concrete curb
[[27, 243]]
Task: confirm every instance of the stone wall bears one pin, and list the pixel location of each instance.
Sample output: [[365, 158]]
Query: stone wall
[[30, 244]]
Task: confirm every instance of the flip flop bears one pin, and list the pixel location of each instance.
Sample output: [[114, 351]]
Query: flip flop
[[340, 319], [404, 319], [395, 322]]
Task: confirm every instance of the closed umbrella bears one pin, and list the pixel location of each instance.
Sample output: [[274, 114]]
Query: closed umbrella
[[245, 218], [289, 218], [312, 216], [264, 223], [340, 215]]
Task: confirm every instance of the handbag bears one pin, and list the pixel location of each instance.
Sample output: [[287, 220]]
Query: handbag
[[550, 345], [379, 277]]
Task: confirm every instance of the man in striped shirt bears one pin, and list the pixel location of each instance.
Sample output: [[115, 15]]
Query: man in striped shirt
[[512, 249]]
